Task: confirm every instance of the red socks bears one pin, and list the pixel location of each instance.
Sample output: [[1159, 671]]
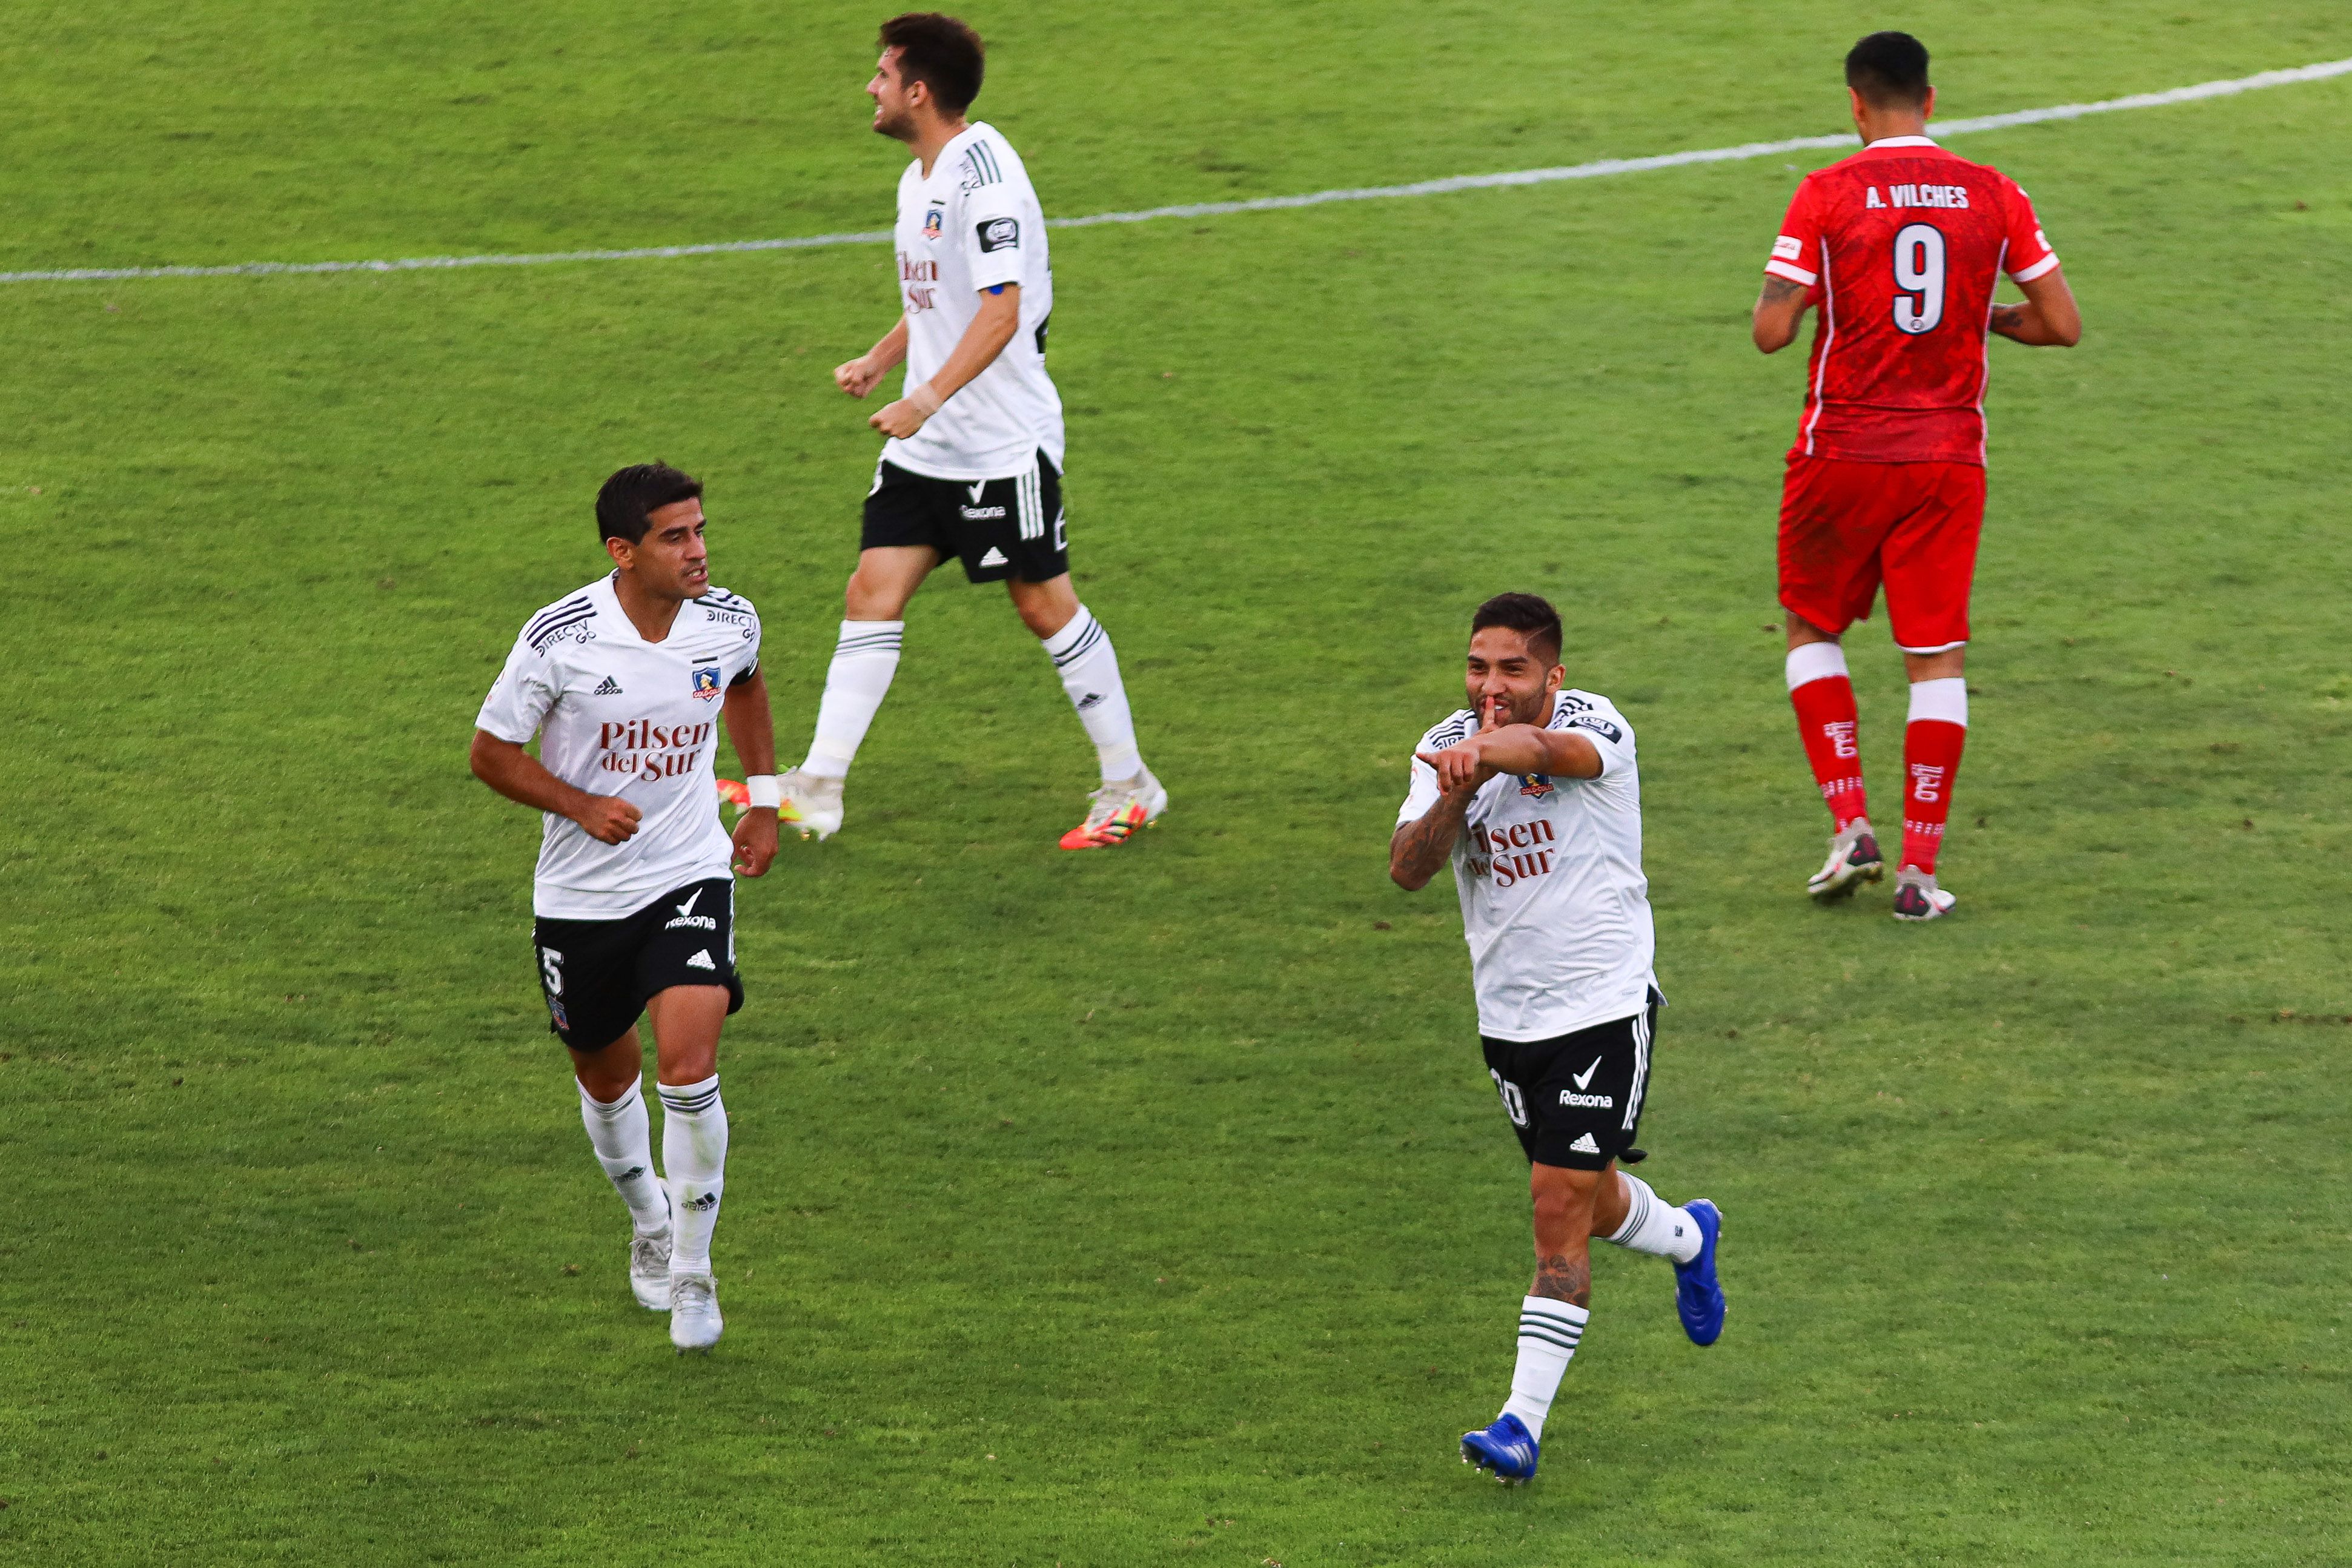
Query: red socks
[[1931, 758], [1823, 694]]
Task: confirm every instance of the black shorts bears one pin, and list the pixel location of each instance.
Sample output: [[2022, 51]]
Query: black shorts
[[1575, 1100], [596, 975], [997, 528]]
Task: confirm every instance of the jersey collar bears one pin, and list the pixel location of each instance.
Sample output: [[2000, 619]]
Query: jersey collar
[[950, 148], [608, 602], [1900, 141]]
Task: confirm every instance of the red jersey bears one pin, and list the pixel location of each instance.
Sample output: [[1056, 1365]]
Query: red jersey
[[1902, 245]]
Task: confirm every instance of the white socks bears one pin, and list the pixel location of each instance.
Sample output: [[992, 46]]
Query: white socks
[[1945, 700], [1654, 1226], [1548, 1334], [1809, 661], [1084, 658], [866, 657], [864, 660], [621, 1136], [694, 1152]]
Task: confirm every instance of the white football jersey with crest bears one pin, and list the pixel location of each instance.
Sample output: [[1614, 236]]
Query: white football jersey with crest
[[1554, 904], [973, 225], [616, 715]]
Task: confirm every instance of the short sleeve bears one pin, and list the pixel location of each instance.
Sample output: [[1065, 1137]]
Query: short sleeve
[[2029, 255], [751, 655], [996, 234], [520, 698], [1799, 239], [1421, 793], [1605, 727]]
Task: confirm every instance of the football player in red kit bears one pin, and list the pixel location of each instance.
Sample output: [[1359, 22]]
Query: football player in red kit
[[1899, 248]]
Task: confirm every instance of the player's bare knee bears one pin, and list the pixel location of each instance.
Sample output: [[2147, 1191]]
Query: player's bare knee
[[1936, 666], [1044, 607], [864, 600], [1042, 623], [1801, 631], [1563, 1201], [607, 1074]]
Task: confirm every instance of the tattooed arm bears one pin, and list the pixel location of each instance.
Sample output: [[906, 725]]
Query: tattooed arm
[[2047, 315], [1778, 310], [1421, 846]]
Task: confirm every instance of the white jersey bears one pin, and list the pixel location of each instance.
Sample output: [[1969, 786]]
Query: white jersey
[[616, 715], [975, 223], [1554, 905]]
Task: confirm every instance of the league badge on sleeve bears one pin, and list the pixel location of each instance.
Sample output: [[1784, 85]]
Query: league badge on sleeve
[[1000, 233], [706, 682]]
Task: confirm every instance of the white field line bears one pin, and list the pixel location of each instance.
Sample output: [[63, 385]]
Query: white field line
[[1595, 170]]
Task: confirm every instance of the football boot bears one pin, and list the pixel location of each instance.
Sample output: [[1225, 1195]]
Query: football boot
[[1916, 896], [649, 1269], [1853, 860], [1506, 1447], [811, 804], [1118, 810], [1698, 1294], [694, 1319]]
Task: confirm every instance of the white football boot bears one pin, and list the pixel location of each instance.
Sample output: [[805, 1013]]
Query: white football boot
[[811, 804], [1118, 810], [694, 1319], [649, 1269], [1853, 860], [1916, 896]]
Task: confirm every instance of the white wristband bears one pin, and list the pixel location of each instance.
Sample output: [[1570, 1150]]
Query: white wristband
[[765, 792]]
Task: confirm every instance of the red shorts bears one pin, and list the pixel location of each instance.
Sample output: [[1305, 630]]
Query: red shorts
[[1846, 526]]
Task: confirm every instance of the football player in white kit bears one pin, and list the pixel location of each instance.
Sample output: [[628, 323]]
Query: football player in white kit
[[1532, 794], [972, 468], [623, 683]]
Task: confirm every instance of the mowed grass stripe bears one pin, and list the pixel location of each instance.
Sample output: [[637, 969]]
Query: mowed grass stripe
[[1596, 169]]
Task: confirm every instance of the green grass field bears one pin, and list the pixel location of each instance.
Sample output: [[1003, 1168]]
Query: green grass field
[[1154, 1207]]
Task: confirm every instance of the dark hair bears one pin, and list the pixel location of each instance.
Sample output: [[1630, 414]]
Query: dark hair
[[1888, 68], [939, 52], [626, 506], [1523, 612]]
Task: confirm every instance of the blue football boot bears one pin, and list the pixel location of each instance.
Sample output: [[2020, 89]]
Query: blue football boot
[[1698, 1294], [1506, 1447]]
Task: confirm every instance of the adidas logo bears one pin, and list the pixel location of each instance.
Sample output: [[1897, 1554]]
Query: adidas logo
[[708, 1200], [1584, 1145], [994, 558], [1089, 700], [633, 1173], [701, 960], [611, 688]]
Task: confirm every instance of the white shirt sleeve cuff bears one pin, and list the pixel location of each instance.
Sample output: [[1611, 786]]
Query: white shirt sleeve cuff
[[2027, 275], [1794, 274]]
